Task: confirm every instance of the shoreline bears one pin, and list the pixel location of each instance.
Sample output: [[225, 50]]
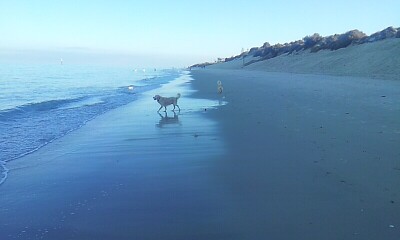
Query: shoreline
[[179, 82], [70, 97], [36, 145], [120, 176]]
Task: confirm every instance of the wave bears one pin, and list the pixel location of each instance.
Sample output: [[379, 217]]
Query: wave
[[43, 142], [27, 128], [32, 107], [83, 102]]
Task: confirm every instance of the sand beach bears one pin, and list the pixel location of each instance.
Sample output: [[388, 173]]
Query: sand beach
[[310, 156], [275, 156]]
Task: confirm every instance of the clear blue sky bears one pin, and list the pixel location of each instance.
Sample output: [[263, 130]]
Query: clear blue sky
[[173, 33]]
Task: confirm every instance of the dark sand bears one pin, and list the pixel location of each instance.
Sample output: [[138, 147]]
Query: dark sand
[[289, 157]]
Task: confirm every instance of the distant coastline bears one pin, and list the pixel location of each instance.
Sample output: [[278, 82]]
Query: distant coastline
[[350, 54]]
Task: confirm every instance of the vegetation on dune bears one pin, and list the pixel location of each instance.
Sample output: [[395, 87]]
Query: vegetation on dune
[[313, 43]]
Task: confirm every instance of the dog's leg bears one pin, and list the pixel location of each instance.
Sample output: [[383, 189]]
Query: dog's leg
[[178, 107], [165, 108], [159, 109]]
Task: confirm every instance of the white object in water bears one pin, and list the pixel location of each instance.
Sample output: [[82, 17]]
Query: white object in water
[[391, 226], [130, 87], [144, 70], [61, 61]]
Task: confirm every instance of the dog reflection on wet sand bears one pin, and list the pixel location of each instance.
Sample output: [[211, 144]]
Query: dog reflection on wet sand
[[166, 120]]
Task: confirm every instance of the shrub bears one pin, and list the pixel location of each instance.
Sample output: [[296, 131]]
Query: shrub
[[296, 46], [316, 43], [389, 32], [253, 50], [266, 45], [346, 39], [310, 41]]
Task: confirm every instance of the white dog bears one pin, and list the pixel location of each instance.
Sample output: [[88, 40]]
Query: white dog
[[165, 101], [220, 88]]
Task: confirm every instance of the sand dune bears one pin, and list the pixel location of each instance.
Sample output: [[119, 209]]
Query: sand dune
[[373, 60]]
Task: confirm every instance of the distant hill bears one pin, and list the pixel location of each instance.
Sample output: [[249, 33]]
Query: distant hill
[[352, 53]]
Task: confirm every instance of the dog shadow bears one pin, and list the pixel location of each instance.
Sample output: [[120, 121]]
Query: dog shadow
[[166, 120]]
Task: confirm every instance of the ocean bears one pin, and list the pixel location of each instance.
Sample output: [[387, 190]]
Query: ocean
[[40, 103]]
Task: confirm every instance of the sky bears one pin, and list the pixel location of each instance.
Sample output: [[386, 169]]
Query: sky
[[172, 33]]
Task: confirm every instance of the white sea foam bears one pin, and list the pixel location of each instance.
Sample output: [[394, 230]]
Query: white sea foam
[[84, 102]]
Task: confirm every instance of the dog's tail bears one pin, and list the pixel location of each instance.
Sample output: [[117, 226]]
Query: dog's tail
[[178, 96]]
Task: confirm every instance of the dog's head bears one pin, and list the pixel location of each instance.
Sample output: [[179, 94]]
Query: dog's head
[[219, 83], [157, 97]]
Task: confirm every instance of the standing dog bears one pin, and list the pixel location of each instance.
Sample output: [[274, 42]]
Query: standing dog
[[220, 88], [165, 101]]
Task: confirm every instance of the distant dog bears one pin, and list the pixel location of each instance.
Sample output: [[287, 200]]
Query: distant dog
[[220, 88], [165, 101]]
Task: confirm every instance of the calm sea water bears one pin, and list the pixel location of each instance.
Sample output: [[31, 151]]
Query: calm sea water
[[41, 103]]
